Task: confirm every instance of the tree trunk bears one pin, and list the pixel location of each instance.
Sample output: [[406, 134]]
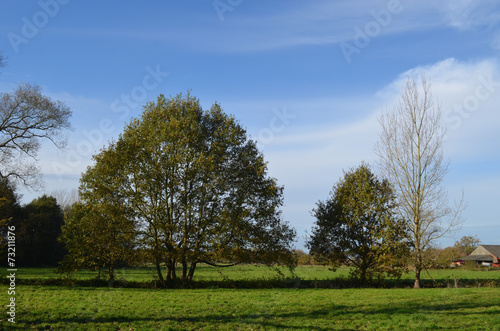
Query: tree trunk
[[418, 266], [184, 269], [417, 278], [191, 271], [362, 276], [160, 276], [111, 273], [171, 275]]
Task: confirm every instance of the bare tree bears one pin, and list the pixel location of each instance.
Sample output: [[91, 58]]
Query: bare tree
[[26, 118], [2, 60], [411, 157], [66, 198]]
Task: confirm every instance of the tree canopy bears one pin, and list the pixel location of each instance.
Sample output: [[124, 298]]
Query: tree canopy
[[99, 232], [194, 186], [358, 225], [37, 230]]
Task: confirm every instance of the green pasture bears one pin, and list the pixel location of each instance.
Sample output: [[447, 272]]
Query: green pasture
[[133, 308], [43, 307], [253, 272]]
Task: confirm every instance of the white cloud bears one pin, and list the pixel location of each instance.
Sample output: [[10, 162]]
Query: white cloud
[[308, 160], [453, 83], [468, 94]]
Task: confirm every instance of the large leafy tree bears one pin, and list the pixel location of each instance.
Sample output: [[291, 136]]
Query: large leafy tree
[[197, 187], [358, 224]]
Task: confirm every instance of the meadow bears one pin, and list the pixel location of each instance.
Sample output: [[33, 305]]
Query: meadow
[[41, 307], [255, 274], [216, 308]]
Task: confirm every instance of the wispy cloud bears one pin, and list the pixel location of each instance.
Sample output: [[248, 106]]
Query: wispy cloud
[[303, 24], [466, 14], [334, 22]]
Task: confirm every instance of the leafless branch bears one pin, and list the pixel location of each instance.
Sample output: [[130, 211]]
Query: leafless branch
[[411, 157], [26, 118]]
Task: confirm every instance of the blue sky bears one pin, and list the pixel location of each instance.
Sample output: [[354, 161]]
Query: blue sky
[[307, 79]]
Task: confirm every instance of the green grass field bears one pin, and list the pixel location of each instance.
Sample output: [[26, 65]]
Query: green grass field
[[206, 273], [252, 272], [103, 308], [267, 309]]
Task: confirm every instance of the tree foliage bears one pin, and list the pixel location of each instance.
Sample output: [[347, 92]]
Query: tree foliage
[[99, 232], [9, 200], [411, 157], [10, 210], [357, 224], [467, 244], [37, 226], [448, 255], [27, 117], [197, 189], [36, 233]]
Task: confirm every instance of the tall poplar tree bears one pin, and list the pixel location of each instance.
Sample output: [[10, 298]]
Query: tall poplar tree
[[411, 157]]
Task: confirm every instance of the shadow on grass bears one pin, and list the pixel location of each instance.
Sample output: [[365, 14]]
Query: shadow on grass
[[289, 320]]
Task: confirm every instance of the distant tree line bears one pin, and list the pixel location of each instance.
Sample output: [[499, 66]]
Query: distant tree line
[[38, 225]]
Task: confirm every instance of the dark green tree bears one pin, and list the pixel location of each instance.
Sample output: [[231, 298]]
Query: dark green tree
[[357, 224], [9, 200], [37, 231], [10, 211]]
